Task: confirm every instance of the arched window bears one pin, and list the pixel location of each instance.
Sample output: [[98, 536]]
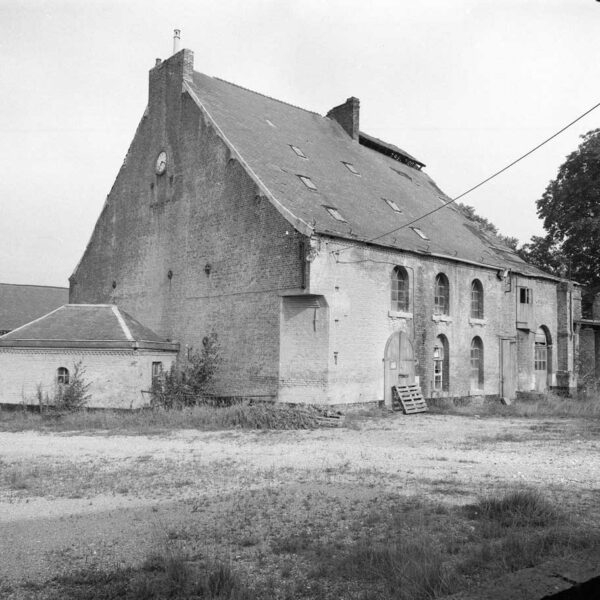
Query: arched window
[[476, 363], [442, 295], [441, 364], [62, 376], [400, 301], [476, 299]]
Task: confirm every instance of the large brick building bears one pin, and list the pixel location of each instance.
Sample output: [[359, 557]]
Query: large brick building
[[238, 214]]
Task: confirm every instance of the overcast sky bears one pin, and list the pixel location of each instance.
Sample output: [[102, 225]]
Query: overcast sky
[[466, 86]]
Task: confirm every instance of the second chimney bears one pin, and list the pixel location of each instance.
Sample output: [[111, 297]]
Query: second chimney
[[347, 115], [176, 40]]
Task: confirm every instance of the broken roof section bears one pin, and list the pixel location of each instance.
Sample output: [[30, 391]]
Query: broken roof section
[[86, 326], [260, 131]]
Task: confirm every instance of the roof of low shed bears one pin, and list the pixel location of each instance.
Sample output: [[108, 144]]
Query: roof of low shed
[[86, 325], [262, 131], [20, 304]]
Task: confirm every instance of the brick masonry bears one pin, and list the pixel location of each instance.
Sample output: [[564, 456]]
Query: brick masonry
[[117, 378], [199, 249]]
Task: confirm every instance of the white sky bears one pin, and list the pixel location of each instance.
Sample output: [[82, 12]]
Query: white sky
[[466, 86]]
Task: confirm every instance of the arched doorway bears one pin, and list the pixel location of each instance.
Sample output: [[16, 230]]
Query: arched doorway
[[399, 363], [542, 359]]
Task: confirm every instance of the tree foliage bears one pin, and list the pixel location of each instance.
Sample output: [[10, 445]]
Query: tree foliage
[[570, 209], [486, 225]]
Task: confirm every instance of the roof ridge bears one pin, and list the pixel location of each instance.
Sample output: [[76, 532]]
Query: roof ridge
[[122, 323], [55, 287], [36, 320], [312, 112]]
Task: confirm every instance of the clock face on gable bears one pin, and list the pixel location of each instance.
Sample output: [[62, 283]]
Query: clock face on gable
[[161, 163]]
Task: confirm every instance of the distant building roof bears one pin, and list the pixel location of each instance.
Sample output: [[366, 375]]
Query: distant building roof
[[20, 304], [83, 326], [265, 133]]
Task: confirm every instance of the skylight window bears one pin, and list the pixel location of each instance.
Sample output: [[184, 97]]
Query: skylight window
[[298, 151], [350, 168], [392, 205], [419, 233], [307, 181], [335, 213]]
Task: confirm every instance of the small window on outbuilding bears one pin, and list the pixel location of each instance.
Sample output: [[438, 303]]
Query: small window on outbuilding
[[351, 168], [335, 213], [442, 295], [298, 151], [400, 287], [419, 233], [392, 205], [62, 376], [476, 299], [157, 372], [307, 181], [525, 295]]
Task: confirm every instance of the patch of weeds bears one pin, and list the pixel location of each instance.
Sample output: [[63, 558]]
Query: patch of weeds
[[519, 508], [292, 544], [411, 567]]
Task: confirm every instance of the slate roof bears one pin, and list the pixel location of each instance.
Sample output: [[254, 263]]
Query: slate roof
[[83, 326], [260, 130], [20, 304]]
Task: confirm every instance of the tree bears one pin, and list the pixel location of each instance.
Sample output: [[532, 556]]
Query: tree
[[485, 225], [570, 209]]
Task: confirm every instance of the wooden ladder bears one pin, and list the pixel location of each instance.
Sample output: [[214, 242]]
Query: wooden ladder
[[409, 399]]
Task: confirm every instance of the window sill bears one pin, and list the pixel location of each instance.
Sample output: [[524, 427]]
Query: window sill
[[395, 314], [473, 321], [442, 318]]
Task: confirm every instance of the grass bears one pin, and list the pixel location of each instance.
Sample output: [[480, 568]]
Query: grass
[[204, 418], [167, 573], [549, 405]]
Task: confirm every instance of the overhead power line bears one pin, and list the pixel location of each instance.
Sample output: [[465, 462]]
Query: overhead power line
[[508, 166]]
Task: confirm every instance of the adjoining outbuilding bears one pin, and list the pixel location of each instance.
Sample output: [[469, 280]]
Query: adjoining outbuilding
[[120, 357], [20, 304]]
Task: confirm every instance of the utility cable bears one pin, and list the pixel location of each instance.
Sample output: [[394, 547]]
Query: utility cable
[[514, 162]]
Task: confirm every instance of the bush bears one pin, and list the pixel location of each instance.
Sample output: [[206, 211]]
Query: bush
[[73, 396], [189, 378]]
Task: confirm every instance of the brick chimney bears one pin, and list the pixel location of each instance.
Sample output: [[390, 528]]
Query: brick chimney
[[167, 76], [347, 115]]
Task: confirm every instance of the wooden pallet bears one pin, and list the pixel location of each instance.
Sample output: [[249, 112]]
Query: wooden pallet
[[409, 399]]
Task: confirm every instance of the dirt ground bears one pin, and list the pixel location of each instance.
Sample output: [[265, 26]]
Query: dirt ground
[[69, 501]]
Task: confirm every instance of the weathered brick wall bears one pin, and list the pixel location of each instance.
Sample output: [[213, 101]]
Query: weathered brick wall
[[116, 378], [357, 286], [204, 214]]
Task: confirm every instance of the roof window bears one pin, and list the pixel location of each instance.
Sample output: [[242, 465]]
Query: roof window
[[392, 205], [351, 168], [335, 213], [419, 233], [307, 181], [298, 151], [402, 173]]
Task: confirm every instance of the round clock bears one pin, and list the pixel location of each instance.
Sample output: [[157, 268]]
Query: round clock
[[161, 163]]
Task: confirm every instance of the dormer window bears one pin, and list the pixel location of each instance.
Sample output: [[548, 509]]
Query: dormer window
[[351, 168], [419, 233], [335, 213], [307, 181], [392, 205], [298, 151]]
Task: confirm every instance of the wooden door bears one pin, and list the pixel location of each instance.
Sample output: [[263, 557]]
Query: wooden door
[[508, 370], [399, 363]]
